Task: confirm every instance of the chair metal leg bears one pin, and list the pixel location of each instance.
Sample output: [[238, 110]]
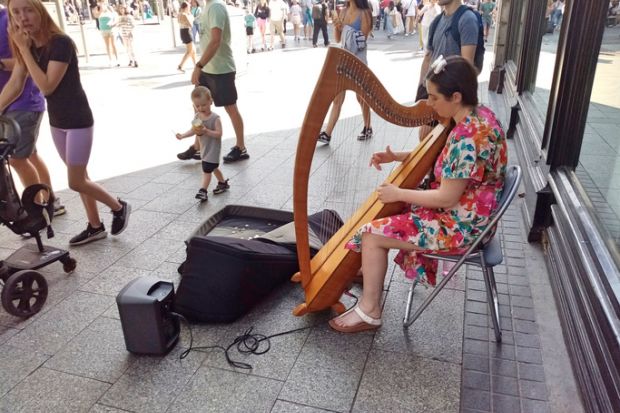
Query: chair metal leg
[[492, 299], [408, 321]]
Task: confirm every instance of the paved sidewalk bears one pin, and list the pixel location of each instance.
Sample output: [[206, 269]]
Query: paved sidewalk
[[71, 356]]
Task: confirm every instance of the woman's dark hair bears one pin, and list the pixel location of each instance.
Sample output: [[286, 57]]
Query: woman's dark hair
[[361, 4], [184, 5], [391, 5], [458, 75]]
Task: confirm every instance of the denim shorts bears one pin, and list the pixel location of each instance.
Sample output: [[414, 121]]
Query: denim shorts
[[29, 123]]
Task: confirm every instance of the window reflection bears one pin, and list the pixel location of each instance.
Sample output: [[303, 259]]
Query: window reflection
[[599, 162], [554, 16]]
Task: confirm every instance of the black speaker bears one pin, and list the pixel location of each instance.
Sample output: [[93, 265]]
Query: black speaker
[[144, 306]]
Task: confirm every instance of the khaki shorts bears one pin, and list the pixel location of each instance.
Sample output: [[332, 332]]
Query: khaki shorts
[[276, 27]]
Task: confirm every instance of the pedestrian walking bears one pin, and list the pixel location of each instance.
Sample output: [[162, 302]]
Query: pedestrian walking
[[351, 28], [21, 100], [207, 127], [216, 70], [186, 20], [126, 26], [50, 58]]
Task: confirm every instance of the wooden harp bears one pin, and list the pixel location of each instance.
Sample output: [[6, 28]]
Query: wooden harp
[[327, 275]]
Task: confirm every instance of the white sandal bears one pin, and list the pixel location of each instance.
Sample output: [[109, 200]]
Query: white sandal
[[367, 323]]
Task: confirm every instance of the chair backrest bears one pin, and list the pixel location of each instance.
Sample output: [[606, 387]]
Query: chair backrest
[[512, 180]]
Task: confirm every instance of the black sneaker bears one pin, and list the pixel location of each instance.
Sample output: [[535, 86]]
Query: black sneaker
[[365, 135], [120, 218], [221, 187], [236, 154], [90, 234], [197, 156], [325, 138], [188, 154], [59, 209], [202, 195]]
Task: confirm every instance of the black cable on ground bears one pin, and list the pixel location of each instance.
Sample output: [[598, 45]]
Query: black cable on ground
[[247, 343]]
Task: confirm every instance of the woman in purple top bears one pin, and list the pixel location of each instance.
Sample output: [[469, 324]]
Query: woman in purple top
[[50, 58], [21, 101]]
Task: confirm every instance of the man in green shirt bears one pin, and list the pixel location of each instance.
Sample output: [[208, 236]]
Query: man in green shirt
[[216, 70]]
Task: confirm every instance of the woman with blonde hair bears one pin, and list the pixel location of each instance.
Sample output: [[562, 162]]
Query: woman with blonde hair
[[186, 20], [49, 56]]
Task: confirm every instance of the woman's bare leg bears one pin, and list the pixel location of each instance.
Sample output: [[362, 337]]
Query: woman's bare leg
[[90, 192], [334, 114], [375, 250]]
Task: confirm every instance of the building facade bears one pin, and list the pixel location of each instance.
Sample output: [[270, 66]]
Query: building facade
[[557, 68]]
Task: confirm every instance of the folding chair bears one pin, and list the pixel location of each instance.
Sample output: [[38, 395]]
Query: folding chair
[[485, 253]]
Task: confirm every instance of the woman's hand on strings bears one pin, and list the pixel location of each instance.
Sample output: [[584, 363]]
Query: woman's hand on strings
[[388, 193], [20, 37], [378, 158]]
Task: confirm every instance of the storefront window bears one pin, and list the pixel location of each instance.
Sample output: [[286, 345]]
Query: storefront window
[[599, 161], [517, 23], [541, 86]]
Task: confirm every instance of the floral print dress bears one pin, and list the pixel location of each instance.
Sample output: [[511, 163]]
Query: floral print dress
[[475, 150]]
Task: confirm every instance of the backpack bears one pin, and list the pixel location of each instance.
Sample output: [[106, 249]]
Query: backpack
[[317, 12], [454, 30]]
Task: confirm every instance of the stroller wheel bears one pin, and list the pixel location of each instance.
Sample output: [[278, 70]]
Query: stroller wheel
[[69, 265], [24, 293]]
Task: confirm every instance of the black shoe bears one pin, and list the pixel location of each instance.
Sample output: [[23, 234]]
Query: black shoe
[[197, 156], [90, 234], [324, 138], [120, 218], [221, 187], [202, 195], [188, 154], [365, 135], [236, 154], [135, 63], [59, 209]]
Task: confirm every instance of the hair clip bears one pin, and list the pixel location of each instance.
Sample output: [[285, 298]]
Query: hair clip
[[439, 64]]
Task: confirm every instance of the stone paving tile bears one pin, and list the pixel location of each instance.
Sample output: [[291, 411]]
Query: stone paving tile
[[394, 382], [100, 408], [98, 352], [282, 406], [151, 384], [49, 391], [113, 279], [284, 350], [124, 184], [436, 334], [16, 365], [215, 390], [516, 363], [150, 254], [54, 329], [6, 333], [336, 362]]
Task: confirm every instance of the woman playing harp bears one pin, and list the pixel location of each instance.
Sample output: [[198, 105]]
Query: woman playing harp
[[351, 29], [467, 181]]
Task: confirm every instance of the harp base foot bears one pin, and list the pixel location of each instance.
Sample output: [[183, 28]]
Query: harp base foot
[[296, 278], [300, 310]]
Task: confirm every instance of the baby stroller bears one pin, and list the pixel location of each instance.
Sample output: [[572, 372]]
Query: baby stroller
[[25, 289]]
